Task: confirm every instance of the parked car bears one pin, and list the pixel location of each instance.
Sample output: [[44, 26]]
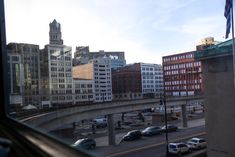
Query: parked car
[[100, 122], [170, 128], [85, 143], [178, 148], [152, 130], [197, 143], [132, 135]]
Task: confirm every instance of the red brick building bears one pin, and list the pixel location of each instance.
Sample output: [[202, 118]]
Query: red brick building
[[182, 75], [126, 82]]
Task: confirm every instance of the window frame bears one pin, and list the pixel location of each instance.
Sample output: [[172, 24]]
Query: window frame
[[26, 141]]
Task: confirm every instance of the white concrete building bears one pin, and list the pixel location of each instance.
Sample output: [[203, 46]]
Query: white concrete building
[[102, 79], [98, 70], [152, 79], [83, 91]]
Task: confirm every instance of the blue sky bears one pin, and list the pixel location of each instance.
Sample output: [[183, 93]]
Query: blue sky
[[145, 30]]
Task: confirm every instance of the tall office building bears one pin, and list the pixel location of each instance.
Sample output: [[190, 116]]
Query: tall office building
[[98, 70], [56, 70], [23, 61], [182, 74]]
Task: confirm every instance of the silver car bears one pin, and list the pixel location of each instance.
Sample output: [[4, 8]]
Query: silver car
[[197, 143], [178, 148]]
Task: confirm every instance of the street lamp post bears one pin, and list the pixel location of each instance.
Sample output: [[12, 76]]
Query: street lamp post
[[163, 102]]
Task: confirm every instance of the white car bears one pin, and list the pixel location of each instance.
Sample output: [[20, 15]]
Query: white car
[[196, 143], [178, 148]]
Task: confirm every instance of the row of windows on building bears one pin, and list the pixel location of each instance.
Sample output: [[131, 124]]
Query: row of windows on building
[[62, 69], [83, 85], [152, 81], [61, 64], [151, 90], [61, 91], [183, 82], [66, 58], [152, 77], [151, 73], [101, 66], [77, 91], [182, 65], [79, 97], [55, 74], [178, 57], [103, 98], [150, 69], [57, 98], [102, 94], [32, 49], [152, 86], [102, 86], [57, 80], [191, 87], [57, 86], [102, 74], [103, 81], [182, 71], [101, 69]]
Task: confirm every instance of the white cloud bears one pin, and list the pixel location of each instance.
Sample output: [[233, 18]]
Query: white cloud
[[203, 26]]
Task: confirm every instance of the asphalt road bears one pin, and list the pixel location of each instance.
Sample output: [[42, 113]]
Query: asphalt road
[[148, 146]]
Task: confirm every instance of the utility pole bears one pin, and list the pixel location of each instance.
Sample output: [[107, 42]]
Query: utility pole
[[163, 102]]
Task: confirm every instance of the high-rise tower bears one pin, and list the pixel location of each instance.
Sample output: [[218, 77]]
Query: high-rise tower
[[55, 33]]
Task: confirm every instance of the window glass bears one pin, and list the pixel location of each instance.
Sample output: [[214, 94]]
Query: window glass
[[72, 64]]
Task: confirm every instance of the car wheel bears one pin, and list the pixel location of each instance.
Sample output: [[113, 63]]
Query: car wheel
[[92, 146], [179, 153]]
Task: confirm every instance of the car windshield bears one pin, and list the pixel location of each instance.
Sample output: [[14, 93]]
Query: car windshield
[[150, 128], [79, 141], [193, 141], [172, 146]]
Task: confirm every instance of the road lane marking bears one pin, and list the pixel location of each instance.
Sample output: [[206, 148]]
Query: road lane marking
[[153, 145]]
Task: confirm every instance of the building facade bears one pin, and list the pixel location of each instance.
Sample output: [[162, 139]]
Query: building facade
[[126, 82], [98, 70], [83, 91], [152, 79], [56, 70], [182, 75], [16, 79], [82, 55], [23, 61]]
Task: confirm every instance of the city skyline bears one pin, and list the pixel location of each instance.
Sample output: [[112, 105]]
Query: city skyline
[[145, 31]]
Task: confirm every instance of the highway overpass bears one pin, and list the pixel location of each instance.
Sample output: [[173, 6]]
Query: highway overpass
[[52, 120]]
